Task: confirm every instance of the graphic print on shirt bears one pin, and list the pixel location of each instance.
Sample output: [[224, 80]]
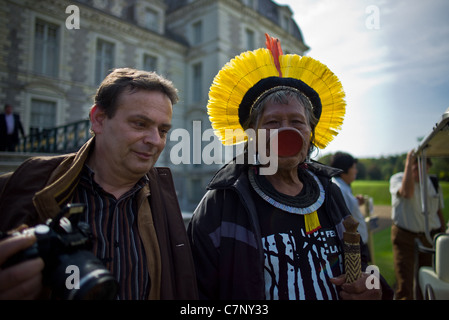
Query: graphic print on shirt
[[299, 266]]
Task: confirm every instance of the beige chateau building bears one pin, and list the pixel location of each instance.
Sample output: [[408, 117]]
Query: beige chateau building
[[54, 53]]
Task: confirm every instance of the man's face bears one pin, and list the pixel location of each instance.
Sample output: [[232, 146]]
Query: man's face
[[132, 140], [351, 175]]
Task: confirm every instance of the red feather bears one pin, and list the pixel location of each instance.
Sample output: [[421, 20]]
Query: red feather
[[274, 45]]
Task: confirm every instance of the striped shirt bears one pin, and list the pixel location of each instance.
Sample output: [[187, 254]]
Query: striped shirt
[[116, 239]]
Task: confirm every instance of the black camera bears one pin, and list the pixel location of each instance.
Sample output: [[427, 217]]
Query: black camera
[[71, 271]]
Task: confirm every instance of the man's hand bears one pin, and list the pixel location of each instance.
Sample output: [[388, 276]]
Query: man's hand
[[23, 280], [356, 290]]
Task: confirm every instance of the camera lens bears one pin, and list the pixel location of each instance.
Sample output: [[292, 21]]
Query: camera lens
[[81, 276], [98, 285]]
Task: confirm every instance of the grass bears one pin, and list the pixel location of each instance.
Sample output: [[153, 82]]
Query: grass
[[383, 255], [378, 190]]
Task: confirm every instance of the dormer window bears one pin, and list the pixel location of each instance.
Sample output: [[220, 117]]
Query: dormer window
[[197, 30], [251, 3], [151, 20], [285, 22]]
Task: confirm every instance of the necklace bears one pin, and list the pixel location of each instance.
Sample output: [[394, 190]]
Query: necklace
[[288, 207]]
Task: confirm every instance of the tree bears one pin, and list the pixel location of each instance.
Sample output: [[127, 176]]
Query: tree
[[384, 167], [374, 172]]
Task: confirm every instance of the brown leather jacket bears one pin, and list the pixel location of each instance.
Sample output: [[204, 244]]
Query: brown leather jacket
[[41, 186]]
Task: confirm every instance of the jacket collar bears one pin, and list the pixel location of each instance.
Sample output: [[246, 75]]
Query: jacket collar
[[230, 173], [323, 170], [61, 183]]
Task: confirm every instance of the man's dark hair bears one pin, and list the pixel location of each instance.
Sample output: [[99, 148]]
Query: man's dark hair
[[343, 161], [122, 79]]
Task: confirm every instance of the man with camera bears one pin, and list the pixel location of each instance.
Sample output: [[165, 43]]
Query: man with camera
[[409, 222], [136, 227]]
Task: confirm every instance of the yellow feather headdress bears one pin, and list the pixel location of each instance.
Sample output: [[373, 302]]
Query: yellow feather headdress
[[245, 78]]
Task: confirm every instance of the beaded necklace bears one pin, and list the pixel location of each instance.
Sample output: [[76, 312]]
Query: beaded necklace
[[309, 212]]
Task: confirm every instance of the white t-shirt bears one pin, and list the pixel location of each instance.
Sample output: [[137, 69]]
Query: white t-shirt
[[353, 205], [407, 213]]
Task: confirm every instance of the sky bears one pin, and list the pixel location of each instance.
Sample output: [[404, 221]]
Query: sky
[[392, 57]]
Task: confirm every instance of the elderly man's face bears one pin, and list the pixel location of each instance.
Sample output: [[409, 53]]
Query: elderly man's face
[[291, 115]]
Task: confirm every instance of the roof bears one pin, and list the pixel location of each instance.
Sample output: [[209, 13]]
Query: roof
[[436, 143], [266, 8]]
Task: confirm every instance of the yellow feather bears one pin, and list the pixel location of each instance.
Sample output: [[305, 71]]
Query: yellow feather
[[241, 73], [326, 84], [312, 223]]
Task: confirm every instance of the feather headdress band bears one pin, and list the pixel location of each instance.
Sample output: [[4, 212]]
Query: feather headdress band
[[253, 74]]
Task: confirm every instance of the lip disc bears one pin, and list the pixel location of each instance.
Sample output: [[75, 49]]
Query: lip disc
[[290, 142]]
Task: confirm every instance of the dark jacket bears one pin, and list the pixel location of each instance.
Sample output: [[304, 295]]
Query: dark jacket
[[18, 128], [41, 186], [226, 238]]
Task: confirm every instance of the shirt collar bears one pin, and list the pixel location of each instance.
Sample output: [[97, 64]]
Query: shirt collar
[[87, 176]]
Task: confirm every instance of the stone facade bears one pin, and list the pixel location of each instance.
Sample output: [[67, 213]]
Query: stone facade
[[51, 63]]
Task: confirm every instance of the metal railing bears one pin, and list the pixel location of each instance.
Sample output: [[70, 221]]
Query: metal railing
[[62, 139]]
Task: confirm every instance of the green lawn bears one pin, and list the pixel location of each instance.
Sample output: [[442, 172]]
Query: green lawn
[[379, 191], [383, 255]]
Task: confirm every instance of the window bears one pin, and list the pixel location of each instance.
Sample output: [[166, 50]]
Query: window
[[46, 48], [250, 3], [149, 63], [104, 60], [197, 82], [250, 40], [286, 23], [151, 21], [197, 29], [43, 115]]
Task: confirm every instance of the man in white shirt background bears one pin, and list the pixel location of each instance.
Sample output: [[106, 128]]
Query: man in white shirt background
[[409, 223]]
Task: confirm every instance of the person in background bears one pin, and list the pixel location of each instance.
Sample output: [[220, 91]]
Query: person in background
[[10, 127], [348, 164], [409, 223]]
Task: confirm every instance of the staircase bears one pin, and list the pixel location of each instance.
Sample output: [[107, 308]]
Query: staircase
[[46, 142], [9, 161]]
